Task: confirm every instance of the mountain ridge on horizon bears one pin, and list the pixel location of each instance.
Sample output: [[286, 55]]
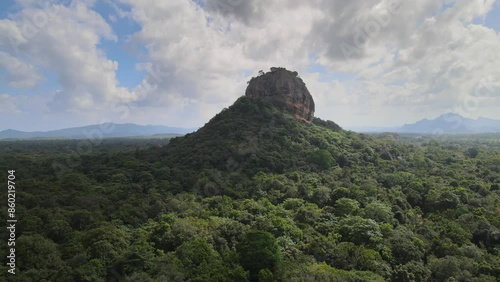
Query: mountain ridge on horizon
[[447, 123], [452, 123], [89, 131]]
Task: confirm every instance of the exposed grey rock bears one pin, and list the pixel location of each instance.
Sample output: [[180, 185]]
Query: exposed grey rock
[[285, 90]]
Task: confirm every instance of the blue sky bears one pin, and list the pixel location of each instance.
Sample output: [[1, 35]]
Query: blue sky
[[87, 61], [118, 51]]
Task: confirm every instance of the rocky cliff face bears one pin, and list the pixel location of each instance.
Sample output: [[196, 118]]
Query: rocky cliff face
[[285, 90]]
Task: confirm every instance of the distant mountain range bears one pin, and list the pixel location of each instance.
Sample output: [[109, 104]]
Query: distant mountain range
[[449, 123], [453, 124], [107, 130]]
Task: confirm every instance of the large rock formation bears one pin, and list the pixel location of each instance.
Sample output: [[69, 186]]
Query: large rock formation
[[285, 90]]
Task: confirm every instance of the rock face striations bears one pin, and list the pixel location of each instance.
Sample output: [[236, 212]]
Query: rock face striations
[[285, 90]]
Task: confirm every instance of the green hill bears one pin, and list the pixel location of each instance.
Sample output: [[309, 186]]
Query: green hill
[[253, 135]]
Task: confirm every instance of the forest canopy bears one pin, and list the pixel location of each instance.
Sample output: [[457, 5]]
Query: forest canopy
[[259, 196]]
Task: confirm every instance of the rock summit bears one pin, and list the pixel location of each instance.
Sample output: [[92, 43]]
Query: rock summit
[[285, 90]]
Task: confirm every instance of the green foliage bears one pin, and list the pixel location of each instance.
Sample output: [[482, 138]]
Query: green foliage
[[37, 257], [349, 256], [346, 206], [406, 247], [452, 268], [471, 152], [265, 275], [322, 158], [359, 230], [379, 212], [411, 272], [258, 250], [328, 124]]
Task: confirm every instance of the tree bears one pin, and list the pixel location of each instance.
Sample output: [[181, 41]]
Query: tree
[[322, 158], [194, 253], [411, 272], [379, 212], [202, 263], [349, 256], [258, 250], [451, 268], [472, 152], [106, 243], [321, 195], [38, 258], [406, 247], [346, 206], [359, 230], [265, 275]]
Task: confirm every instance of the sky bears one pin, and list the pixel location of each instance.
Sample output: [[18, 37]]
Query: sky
[[367, 63]]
